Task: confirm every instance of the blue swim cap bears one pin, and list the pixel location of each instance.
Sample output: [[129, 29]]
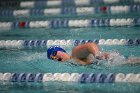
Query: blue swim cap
[[53, 49]]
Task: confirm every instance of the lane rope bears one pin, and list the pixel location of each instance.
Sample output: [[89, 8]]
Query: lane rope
[[34, 44], [71, 77], [53, 3], [71, 10], [58, 23]]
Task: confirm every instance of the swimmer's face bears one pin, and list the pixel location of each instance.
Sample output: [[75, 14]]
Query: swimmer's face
[[59, 56]]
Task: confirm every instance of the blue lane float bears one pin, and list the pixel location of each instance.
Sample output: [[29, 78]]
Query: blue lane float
[[22, 77], [59, 23], [137, 41], [91, 78], [30, 77], [39, 77], [14, 77], [83, 78], [100, 78]]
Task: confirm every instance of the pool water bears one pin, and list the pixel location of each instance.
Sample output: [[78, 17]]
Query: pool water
[[35, 60]]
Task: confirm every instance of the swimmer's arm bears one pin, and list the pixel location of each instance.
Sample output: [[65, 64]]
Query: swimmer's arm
[[81, 61]]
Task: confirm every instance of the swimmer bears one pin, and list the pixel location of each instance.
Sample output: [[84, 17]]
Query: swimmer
[[83, 54]]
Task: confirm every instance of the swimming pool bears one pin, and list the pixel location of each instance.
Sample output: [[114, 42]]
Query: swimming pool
[[24, 41]]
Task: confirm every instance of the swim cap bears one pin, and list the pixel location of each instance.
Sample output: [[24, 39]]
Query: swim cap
[[53, 49]]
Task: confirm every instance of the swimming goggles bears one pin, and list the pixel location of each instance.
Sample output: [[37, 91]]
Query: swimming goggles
[[54, 53]]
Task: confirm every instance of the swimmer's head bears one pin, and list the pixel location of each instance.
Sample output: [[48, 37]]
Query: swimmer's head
[[56, 53]]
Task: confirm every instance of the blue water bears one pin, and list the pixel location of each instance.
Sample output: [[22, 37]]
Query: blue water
[[34, 60]]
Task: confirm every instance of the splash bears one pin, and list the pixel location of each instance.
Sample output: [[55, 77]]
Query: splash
[[24, 56], [33, 57], [116, 59]]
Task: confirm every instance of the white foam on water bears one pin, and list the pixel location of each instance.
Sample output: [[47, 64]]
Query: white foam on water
[[116, 59], [22, 57], [33, 57]]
